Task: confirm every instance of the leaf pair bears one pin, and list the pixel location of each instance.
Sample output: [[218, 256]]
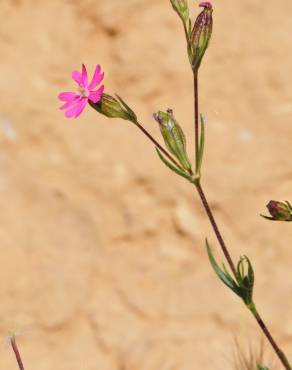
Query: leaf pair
[[242, 284]]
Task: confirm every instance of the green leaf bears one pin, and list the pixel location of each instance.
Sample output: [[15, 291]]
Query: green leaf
[[268, 218], [226, 272], [224, 277], [173, 167], [201, 145], [189, 28], [250, 271], [260, 367]]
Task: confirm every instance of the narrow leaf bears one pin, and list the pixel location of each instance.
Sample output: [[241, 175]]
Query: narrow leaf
[[225, 278], [189, 28], [173, 167], [201, 144], [268, 218], [128, 109]]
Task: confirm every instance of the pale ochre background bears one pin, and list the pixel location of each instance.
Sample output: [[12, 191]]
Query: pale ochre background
[[103, 264]]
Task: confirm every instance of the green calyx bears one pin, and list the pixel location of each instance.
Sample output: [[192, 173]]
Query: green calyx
[[181, 8], [113, 107], [174, 137]]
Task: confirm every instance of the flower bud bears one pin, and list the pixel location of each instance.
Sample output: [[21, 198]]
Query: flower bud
[[279, 210], [173, 136], [182, 9], [201, 34], [245, 279], [114, 108]]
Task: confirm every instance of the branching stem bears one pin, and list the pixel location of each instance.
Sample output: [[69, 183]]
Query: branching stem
[[158, 146], [220, 239]]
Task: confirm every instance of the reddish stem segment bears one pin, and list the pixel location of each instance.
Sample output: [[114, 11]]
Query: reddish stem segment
[[16, 352], [215, 228], [220, 239], [278, 351], [196, 107]]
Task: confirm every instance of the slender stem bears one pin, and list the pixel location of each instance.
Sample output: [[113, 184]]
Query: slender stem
[[220, 239], [198, 185], [196, 107], [215, 227], [154, 141], [279, 352], [145, 132], [16, 352]]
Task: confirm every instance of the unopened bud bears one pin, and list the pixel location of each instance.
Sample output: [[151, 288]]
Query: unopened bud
[[113, 108], [182, 9], [173, 136], [201, 34], [280, 211], [245, 279]]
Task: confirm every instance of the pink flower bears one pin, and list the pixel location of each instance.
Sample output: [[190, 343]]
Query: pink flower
[[75, 102]]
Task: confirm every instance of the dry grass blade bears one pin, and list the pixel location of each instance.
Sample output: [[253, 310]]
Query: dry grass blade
[[250, 359]]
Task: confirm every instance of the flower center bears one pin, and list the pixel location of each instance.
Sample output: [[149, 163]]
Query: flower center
[[84, 93]]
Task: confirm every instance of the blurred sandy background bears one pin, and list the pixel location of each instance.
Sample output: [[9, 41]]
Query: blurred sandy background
[[103, 264]]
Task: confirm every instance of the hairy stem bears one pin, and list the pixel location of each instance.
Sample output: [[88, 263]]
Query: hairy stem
[[220, 239]]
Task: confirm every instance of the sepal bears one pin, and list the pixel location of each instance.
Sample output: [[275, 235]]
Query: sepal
[[114, 107]]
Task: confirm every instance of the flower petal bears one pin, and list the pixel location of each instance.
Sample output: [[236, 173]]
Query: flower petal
[[97, 78], [77, 77], [77, 109], [95, 96], [84, 79], [81, 107], [70, 103], [67, 96]]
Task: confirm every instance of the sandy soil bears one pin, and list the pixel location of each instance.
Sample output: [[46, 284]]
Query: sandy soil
[[102, 248]]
